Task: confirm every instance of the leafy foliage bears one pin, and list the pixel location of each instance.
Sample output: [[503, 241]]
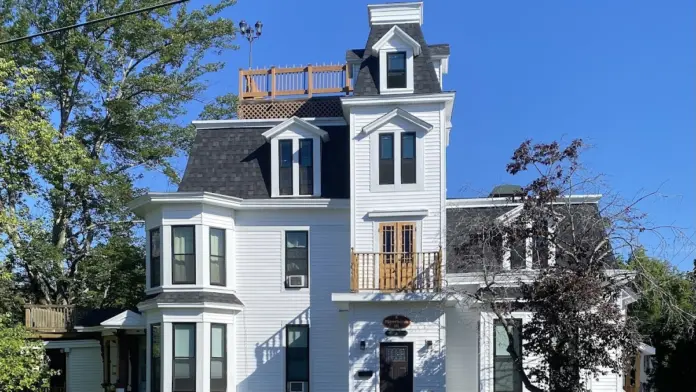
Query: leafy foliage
[[23, 361], [84, 113]]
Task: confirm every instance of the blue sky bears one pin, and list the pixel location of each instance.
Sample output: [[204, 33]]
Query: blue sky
[[620, 74]]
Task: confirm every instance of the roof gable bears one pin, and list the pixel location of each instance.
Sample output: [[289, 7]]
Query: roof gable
[[395, 33], [396, 114], [298, 122]]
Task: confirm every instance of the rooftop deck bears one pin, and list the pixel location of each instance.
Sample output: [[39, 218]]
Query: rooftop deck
[[50, 318], [307, 81]]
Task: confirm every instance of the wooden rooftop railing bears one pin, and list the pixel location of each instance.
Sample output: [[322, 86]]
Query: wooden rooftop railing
[[294, 81], [396, 271], [50, 318]]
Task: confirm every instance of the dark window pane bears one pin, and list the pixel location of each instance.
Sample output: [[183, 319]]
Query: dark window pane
[[396, 70], [217, 257], [297, 254], [540, 245], [386, 159], [155, 357], [285, 167], [297, 353], [506, 379], [155, 267], [183, 254], [408, 158], [306, 167], [218, 356], [184, 361]]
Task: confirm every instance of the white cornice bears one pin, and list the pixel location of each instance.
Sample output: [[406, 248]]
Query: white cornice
[[395, 13], [296, 121], [144, 202], [265, 123], [397, 99], [504, 201], [396, 32], [396, 113]]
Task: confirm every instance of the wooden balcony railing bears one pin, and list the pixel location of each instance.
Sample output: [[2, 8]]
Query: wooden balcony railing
[[50, 318], [396, 272], [296, 81]]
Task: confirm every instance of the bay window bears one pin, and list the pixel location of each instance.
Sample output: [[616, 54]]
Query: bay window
[[184, 360], [183, 255], [217, 257], [218, 358]]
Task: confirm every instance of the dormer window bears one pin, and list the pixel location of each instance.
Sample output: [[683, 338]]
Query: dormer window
[[396, 51], [396, 70], [295, 158]]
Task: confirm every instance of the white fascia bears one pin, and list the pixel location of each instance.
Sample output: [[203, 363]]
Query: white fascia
[[396, 113], [265, 123], [396, 32], [395, 13], [149, 200], [506, 202], [387, 100], [296, 121]]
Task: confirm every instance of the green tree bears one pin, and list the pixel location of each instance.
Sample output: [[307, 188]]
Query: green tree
[[23, 361], [664, 312], [111, 96]]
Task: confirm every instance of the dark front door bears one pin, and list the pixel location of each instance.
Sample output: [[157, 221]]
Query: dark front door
[[396, 367]]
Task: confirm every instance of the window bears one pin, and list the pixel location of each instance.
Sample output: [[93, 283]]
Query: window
[[155, 357], [217, 257], [306, 167], [184, 255], [285, 167], [408, 158], [218, 357], [297, 353], [386, 159], [506, 378], [396, 70], [296, 256], [155, 260], [184, 362]]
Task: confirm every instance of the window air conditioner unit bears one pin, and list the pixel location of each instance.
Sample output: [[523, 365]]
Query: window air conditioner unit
[[297, 386], [296, 281]]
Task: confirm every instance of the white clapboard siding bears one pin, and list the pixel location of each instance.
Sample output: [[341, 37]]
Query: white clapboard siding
[[84, 369], [429, 197], [427, 323], [269, 306], [462, 349]]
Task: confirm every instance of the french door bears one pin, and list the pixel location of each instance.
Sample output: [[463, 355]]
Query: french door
[[397, 255]]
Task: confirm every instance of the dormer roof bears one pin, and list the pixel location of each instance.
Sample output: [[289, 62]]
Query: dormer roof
[[296, 122], [396, 114], [396, 33]]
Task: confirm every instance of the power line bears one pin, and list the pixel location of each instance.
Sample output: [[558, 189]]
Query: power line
[[93, 21]]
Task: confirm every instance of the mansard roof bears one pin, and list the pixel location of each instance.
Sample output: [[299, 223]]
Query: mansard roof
[[353, 55], [237, 162], [425, 80]]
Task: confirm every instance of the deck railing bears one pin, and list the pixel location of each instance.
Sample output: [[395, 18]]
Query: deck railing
[[294, 81], [396, 271], [50, 318]]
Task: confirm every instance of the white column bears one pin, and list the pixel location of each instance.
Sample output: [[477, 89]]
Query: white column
[[166, 256], [231, 358], [203, 255], [295, 166], [203, 356], [167, 356]]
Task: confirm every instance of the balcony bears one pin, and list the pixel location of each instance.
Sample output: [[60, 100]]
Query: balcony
[[50, 318], [305, 81], [396, 272]]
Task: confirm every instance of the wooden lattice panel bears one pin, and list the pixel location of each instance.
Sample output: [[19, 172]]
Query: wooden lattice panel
[[285, 108]]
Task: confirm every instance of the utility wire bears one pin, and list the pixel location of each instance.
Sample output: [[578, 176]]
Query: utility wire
[[93, 21]]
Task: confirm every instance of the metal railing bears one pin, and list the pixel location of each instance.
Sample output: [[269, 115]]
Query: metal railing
[[396, 271], [50, 318], [294, 81]]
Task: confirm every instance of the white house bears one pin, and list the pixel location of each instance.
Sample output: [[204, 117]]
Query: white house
[[306, 248]]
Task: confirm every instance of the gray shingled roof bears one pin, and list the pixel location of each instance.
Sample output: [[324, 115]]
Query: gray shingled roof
[[435, 50], [464, 222], [191, 298], [425, 80], [237, 162]]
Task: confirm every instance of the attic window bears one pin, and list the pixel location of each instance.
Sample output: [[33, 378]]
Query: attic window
[[396, 70], [295, 158]]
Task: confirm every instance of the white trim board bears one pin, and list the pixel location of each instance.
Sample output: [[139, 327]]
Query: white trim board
[[504, 201], [397, 213]]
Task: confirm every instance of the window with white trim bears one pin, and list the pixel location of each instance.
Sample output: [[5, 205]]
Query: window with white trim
[[218, 357], [184, 359], [398, 161]]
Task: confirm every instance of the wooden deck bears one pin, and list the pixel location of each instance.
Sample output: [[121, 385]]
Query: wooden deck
[[50, 319], [305, 81], [396, 272]]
